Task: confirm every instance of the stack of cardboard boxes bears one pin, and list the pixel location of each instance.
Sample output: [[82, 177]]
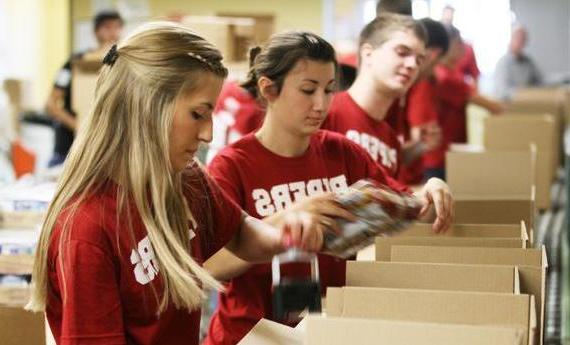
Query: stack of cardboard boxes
[[481, 283]]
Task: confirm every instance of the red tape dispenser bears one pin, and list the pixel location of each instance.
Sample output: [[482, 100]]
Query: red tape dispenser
[[294, 295]]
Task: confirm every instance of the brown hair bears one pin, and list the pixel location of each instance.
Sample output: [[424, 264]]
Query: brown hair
[[278, 56], [379, 30]]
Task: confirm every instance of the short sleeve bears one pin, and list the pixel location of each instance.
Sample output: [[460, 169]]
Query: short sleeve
[[223, 170], [63, 77], [226, 215], [91, 304]]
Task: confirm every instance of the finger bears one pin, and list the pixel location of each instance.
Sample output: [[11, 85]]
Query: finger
[[330, 225], [296, 230], [439, 210]]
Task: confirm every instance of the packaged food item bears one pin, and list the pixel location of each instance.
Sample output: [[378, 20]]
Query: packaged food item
[[380, 212]]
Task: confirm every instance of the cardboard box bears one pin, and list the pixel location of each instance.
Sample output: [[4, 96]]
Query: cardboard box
[[84, 81], [384, 244], [320, 330], [342, 331], [18, 327], [496, 210], [15, 296], [447, 307], [16, 264], [428, 276], [532, 264], [267, 332], [505, 174], [516, 133], [21, 219], [469, 230]]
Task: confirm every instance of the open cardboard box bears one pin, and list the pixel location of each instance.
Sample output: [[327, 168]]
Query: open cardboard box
[[517, 133], [456, 230], [532, 264], [18, 326], [84, 74], [267, 332], [428, 276], [470, 230], [321, 330], [384, 244], [496, 173], [478, 209], [342, 331], [446, 307]]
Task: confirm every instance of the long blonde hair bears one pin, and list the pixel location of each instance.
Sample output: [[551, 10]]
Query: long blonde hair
[[125, 138]]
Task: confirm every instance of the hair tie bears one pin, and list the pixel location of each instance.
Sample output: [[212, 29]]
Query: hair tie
[[111, 56]]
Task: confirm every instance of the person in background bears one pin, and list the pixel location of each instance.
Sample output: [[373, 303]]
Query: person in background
[[391, 50], [421, 122], [119, 259], [454, 94], [289, 163], [403, 7], [236, 114], [467, 63], [107, 26], [515, 69]]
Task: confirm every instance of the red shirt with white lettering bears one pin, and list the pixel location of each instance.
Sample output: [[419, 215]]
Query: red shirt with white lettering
[[262, 183], [376, 137], [111, 278], [236, 114]]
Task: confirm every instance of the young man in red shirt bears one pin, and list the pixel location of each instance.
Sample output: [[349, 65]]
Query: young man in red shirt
[[420, 121], [392, 49], [454, 94]]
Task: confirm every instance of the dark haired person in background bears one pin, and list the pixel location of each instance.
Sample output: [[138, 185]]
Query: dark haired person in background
[[107, 26]]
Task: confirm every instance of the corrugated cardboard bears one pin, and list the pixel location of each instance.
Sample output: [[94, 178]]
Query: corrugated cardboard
[[516, 133], [504, 174], [469, 230], [267, 332], [447, 307], [383, 244], [84, 81], [428, 276], [496, 210], [342, 331], [20, 219], [16, 264], [18, 327], [532, 264]]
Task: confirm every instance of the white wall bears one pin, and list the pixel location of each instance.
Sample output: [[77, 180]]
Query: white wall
[[548, 23]]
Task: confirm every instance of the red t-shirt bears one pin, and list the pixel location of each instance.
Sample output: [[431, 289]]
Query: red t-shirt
[[467, 64], [236, 114], [262, 183], [110, 277], [453, 94], [422, 109], [376, 137]]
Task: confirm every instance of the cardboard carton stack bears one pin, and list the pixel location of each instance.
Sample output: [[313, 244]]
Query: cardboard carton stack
[[22, 208], [423, 288]]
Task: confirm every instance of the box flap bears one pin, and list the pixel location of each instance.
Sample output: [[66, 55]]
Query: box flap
[[454, 277], [267, 332], [340, 331]]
